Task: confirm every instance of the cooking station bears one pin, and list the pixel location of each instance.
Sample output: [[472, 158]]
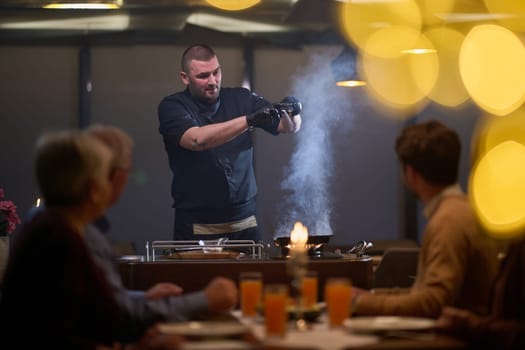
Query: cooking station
[[192, 264]]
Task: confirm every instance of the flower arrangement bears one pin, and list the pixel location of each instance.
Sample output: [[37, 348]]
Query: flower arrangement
[[8, 216]]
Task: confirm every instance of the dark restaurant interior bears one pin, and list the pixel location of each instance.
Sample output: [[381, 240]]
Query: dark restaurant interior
[[71, 68], [342, 204]]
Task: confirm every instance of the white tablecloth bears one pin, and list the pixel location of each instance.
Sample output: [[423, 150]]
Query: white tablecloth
[[319, 336]]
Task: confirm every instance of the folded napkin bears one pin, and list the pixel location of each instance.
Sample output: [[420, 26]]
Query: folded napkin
[[319, 336]]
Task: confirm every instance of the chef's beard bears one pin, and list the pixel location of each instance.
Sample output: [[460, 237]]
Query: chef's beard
[[205, 97]]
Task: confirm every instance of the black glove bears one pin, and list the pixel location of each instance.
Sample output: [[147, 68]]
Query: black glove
[[267, 118], [289, 104]]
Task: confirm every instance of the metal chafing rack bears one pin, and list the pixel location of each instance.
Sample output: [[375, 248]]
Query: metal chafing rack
[[161, 249]]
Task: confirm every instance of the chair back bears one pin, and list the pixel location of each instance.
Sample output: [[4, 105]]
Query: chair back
[[397, 268]]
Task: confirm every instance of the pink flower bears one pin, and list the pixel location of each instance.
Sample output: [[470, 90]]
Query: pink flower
[[8, 208]]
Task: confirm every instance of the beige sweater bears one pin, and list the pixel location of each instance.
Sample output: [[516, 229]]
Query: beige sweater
[[457, 265]]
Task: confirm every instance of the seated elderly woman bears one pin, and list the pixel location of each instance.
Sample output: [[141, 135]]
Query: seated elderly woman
[[52, 287]]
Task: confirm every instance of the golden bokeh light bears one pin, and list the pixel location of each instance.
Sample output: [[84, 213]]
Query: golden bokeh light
[[431, 9], [497, 190], [360, 20], [449, 89], [404, 79], [491, 131], [233, 5], [511, 13], [391, 42], [491, 64]]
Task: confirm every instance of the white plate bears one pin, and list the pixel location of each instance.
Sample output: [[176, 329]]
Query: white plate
[[204, 329], [216, 345], [388, 323]]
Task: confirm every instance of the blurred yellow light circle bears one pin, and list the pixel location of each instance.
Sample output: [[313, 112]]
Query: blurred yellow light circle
[[501, 216], [491, 131], [492, 66], [233, 5], [392, 41], [360, 20], [497, 190], [430, 9], [449, 89], [511, 13], [401, 79]]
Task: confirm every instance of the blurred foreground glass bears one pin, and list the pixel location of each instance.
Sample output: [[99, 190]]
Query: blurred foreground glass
[[251, 283], [275, 314], [309, 289], [338, 296]]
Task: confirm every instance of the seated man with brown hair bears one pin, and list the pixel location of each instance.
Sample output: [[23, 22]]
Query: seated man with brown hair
[[457, 263]]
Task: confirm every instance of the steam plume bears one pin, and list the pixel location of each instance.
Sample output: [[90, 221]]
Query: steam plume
[[306, 182]]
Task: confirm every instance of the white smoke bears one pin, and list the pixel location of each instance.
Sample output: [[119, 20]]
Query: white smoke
[[307, 177]]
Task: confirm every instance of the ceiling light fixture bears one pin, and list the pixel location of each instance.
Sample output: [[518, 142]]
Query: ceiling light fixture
[[473, 17], [106, 23], [344, 68], [418, 51], [350, 83], [85, 5], [232, 25]]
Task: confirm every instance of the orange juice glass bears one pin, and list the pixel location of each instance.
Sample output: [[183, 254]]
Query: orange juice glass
[[275, 314], [338, 296], [309, 289], [251, 292]]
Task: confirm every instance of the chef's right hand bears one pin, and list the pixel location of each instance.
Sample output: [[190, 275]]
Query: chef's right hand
[[267, 118]]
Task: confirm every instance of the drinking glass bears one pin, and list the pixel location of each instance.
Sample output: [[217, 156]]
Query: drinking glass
[[251, 283], [275, 313], [338, 296], [309, 289]]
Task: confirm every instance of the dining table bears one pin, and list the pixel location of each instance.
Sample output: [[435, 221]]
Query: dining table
[[192, 266], [194, 274], [235, 331]]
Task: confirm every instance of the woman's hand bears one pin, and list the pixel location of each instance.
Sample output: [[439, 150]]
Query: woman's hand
[[454, 320]]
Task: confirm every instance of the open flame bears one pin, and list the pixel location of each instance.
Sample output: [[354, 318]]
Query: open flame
[[298, 236]]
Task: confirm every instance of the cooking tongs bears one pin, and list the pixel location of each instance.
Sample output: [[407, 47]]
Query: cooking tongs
[[360, 248], [204, 246]]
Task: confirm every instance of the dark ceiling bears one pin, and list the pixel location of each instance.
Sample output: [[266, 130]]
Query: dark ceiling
[[172, 21], [289, 23]]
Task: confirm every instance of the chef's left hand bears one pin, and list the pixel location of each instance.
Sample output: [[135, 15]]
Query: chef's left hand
[[294, 105], [290, 116], [289, 124]]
